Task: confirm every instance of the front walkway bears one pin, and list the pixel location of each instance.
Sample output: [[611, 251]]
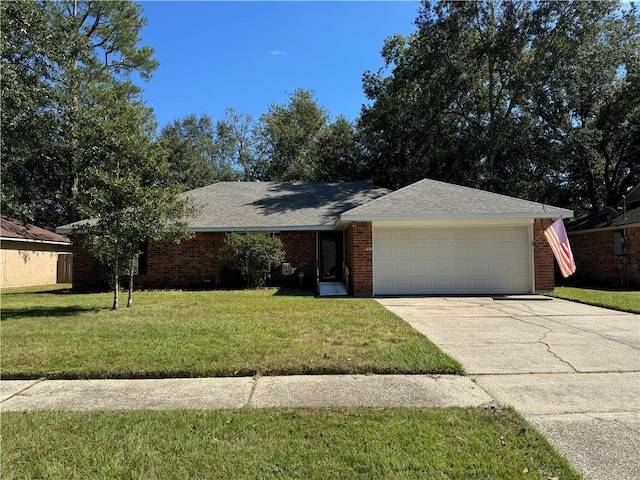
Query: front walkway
[[573, 370]]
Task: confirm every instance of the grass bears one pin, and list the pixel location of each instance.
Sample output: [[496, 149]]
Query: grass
[[52, 333], [627, 301], [400, 443]]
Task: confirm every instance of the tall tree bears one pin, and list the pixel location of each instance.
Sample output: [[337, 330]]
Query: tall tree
[[487, 94], [292, 132], [131, 197], [241, 142], [28, 123], [85, 52], [337, 154], [193, 153]]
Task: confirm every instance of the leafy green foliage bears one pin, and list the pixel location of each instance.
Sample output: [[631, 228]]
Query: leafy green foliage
[[63, 63], [130, 197], [513, 97], [253, 254], [193, 153], [292, 131], [240, 141]]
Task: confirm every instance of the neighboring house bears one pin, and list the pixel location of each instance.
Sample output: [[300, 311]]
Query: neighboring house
[[427, 238], [606, 245], [31, 255]]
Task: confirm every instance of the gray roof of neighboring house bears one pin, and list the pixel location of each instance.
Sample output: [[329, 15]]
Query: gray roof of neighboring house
[[610, 217], [430, 199], [12, 229], [270, 205]]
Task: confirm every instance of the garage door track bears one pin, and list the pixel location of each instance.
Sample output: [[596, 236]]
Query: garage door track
[[573, 370]]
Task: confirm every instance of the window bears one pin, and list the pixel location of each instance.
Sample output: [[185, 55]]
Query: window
[[143, 259]]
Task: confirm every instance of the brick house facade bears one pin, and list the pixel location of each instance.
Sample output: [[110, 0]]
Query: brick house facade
[[328, 232], [598, 261], [196, 263]]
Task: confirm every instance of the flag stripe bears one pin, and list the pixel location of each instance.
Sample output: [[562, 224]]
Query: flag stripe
[[557, 238]]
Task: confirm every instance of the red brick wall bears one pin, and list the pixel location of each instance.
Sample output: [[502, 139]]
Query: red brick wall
[[359, 258], [194, 263], [596, 261], [542, 257], [85, 275], [301, 253]]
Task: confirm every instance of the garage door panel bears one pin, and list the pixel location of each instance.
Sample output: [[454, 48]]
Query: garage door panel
[[457, 260]]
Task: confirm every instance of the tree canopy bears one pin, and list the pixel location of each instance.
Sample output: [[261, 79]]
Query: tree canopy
[[61, 61], [533, 99]]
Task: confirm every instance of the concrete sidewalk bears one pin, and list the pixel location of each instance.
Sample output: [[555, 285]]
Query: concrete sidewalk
[[246, 392]]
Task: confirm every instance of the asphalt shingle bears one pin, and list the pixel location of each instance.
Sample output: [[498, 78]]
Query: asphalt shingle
[[270, 205], [14, 229], [432, 199]]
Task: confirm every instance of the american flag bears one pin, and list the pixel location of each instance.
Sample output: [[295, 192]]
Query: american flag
[[556, 235]]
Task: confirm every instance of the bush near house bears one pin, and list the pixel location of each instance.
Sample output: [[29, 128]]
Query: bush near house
[[253, 254]]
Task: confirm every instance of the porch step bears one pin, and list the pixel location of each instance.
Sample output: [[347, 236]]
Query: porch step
[[332, 289]]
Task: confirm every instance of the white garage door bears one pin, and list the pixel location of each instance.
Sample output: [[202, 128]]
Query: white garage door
[[414, 261]]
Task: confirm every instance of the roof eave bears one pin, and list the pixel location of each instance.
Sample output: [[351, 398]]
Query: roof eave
[[604, 229], [493, 216], [30, 240], [280, 228]]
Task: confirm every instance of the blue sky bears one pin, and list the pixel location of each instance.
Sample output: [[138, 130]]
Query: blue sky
[[249, 55]]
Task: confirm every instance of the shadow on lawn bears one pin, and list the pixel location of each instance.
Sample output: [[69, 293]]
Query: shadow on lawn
[[292, 292], [13, 313]]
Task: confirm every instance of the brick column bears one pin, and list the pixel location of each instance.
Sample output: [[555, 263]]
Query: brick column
[[359, 258], [542, 257]]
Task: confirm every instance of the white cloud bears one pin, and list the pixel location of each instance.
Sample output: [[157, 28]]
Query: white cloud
[[276, 52]]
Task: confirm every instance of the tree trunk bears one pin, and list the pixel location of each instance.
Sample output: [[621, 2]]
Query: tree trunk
[[130, 296], [116, 288]]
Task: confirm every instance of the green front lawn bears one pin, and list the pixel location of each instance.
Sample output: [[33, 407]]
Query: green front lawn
[[400, 443], [49, 332], [625, 300]]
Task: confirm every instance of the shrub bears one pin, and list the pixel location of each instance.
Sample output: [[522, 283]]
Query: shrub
[[253, 254]]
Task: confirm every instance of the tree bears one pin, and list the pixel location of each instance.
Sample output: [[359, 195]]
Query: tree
[[240, 141], [489, 94], [28, 123], [190, 146], [129, 197], [336, 154], [292, 132], [60, 60], [253, 254]]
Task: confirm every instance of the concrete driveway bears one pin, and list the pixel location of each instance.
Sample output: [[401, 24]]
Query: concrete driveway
[[573, 370]]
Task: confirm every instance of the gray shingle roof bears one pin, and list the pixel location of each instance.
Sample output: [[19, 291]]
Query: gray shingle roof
[[269, 205], [608, 218], [430, 199]]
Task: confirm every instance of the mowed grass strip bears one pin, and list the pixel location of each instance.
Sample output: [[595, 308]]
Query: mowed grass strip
[[401, 443], [59, 335], [624, 300]]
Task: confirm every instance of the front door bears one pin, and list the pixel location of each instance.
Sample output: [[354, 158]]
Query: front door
[[330, 256]]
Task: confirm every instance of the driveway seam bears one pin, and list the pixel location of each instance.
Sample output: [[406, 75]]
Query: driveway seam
[[587, 372], [254, 386], [20, 392], [621, 424]]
